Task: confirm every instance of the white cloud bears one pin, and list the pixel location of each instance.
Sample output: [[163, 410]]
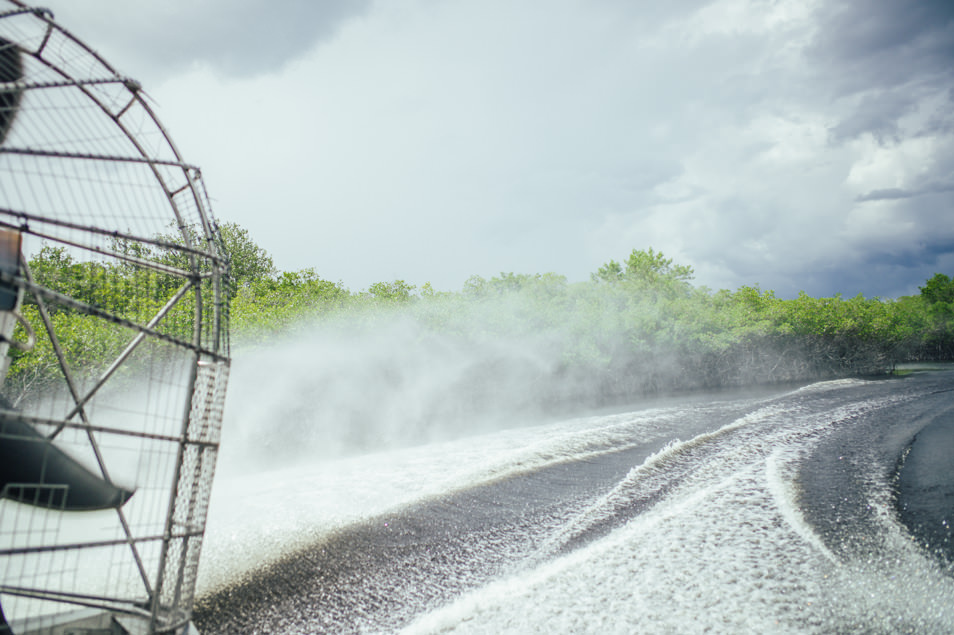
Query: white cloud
[[432, 141], [904, 165]]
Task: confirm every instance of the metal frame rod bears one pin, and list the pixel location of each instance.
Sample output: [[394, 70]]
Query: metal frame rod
[[71, 384]]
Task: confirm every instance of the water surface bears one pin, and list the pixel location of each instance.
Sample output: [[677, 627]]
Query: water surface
[[817, 509]]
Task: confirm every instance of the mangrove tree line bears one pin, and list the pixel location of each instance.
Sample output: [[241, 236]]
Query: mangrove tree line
[[637, 326]]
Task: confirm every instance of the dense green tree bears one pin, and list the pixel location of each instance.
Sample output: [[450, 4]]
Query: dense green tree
[[647, 271], [270, 306], [248, 261], [937, 296], [394, 291], [634, 327], [652, 267], [612, 271], [938, 290]]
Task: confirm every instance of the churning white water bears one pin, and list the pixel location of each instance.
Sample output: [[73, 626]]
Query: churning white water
[[701, 516]]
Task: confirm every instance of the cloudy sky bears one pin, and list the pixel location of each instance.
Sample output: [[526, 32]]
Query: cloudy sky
[[797, 144]]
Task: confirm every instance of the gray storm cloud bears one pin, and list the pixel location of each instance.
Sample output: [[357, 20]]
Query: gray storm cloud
[[890, 56], [797, 145], [235, 37]]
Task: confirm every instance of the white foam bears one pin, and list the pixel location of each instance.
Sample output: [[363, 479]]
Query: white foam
[[780, 468], [725, 550], [260, 517], [722, 548]]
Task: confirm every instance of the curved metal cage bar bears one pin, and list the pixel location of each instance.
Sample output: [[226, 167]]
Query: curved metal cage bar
[[113, 338]]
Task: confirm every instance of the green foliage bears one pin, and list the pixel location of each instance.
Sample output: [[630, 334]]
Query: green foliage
[[636, 326], [90, 282], [938, 290], [647, 272], [272, 305], [652, 268], [395, 291], [90, 343], [103, 294], [612, 271], [248, 262], [937, 316]]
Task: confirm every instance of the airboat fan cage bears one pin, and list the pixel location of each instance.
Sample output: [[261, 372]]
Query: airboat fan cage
[[118, 360]]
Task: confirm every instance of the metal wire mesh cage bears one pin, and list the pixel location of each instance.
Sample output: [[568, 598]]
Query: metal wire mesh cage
[[113, 342]]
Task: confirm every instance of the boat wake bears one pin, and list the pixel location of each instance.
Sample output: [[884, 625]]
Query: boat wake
[[778, 513]]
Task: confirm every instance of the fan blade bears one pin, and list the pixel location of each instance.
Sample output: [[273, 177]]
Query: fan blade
[[32, 463]]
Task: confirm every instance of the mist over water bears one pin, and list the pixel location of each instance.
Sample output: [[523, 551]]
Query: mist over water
[[392, 380], [451, 365]]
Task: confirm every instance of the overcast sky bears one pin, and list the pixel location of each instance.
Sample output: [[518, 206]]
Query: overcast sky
[[799, 145]]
